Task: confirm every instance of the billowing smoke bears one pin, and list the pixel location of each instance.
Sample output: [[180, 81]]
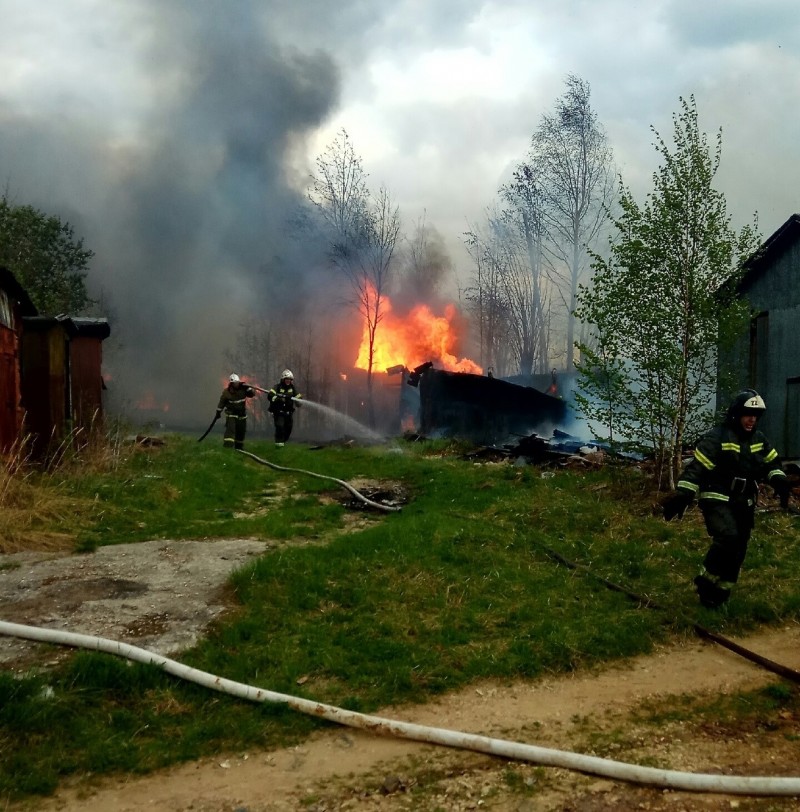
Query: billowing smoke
[[183, 186]]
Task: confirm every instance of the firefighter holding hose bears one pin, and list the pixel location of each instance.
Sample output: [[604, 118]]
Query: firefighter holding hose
[[283, 397], [233, 402], [728, 463]]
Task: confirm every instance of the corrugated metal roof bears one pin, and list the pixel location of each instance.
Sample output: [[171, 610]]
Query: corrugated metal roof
[[74, 326]]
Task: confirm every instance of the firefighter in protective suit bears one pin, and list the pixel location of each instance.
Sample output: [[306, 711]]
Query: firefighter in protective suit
[[283, 397], [233, 401], [728, 463]]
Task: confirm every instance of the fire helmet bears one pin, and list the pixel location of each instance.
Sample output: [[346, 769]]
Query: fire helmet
[[287, 373], [746, 402], [234, 378]]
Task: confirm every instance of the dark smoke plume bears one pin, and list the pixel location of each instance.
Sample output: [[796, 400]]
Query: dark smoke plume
[[185, 205]]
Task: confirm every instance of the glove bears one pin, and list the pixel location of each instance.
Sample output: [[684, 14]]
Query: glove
[[782, 491], [219, 414], [676, 505]]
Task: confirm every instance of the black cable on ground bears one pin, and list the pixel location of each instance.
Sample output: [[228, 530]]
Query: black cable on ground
[[776, 668]]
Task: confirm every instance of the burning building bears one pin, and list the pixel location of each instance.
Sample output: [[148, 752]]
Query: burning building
[[449, 395]]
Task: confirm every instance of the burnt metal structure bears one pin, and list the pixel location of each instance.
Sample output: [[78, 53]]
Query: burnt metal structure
[[482, 409]]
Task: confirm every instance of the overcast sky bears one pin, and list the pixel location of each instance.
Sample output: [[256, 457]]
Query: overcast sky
[[175, 134]]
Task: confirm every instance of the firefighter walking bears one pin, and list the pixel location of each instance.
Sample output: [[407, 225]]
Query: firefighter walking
[[283, 398], [728, 463], [233, 402]]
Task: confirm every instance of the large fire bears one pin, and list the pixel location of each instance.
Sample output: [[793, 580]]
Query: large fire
[[414, 339]]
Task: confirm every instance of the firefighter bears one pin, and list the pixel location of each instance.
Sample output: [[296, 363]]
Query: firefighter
[[728, 463], [233, 401], [283, 397]]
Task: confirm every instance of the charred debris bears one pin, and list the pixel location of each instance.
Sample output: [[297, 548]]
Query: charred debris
[[560, 449], [504, 420]]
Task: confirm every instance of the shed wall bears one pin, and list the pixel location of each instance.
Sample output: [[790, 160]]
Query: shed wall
[[10, 411], [773, 353], [44, 385], [86, 381]]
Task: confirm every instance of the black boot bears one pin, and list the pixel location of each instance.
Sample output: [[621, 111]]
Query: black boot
[[711, 595]]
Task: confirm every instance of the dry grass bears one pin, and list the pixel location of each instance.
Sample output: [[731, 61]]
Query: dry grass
[[92, 450], [32, 499], [29, 509]]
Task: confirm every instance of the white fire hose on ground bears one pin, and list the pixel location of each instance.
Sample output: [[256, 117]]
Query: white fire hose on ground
[[346, 485], [616, 770]]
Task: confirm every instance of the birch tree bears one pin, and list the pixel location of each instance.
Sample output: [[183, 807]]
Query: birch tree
[[572, 163], [554, 209], [661, 306]]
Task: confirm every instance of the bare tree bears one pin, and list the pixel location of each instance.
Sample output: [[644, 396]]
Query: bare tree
[[369, 275], [504, 292], [525, 213], [339, 194], [484, 299], [536, 249], [361, 232], [572, 162]]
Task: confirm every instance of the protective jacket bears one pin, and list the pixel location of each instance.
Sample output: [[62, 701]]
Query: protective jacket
[[280, 398], [233, 401], [723, 475], [727, 466]]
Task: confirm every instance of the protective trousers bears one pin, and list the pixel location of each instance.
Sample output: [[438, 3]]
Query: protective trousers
[[284, 421], [235, 430], [729, 524]]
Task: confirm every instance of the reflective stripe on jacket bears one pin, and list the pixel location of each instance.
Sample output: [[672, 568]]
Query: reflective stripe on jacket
[[728, 466], [280, 398], [233, 401]]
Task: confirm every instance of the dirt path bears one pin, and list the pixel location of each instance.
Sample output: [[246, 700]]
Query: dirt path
[[347, 769], [161, 595]]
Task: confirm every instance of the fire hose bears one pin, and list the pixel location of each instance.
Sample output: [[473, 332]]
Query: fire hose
[[770, 665], [217, 416], [592, 765], [346, 485]]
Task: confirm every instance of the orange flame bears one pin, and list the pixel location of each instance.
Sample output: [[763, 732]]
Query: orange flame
[[148, 403], [419, 337]]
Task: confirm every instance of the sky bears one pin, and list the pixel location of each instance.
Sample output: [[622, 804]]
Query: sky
[[176, 135]]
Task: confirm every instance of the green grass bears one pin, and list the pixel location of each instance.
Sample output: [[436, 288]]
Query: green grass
[[455, 588]]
